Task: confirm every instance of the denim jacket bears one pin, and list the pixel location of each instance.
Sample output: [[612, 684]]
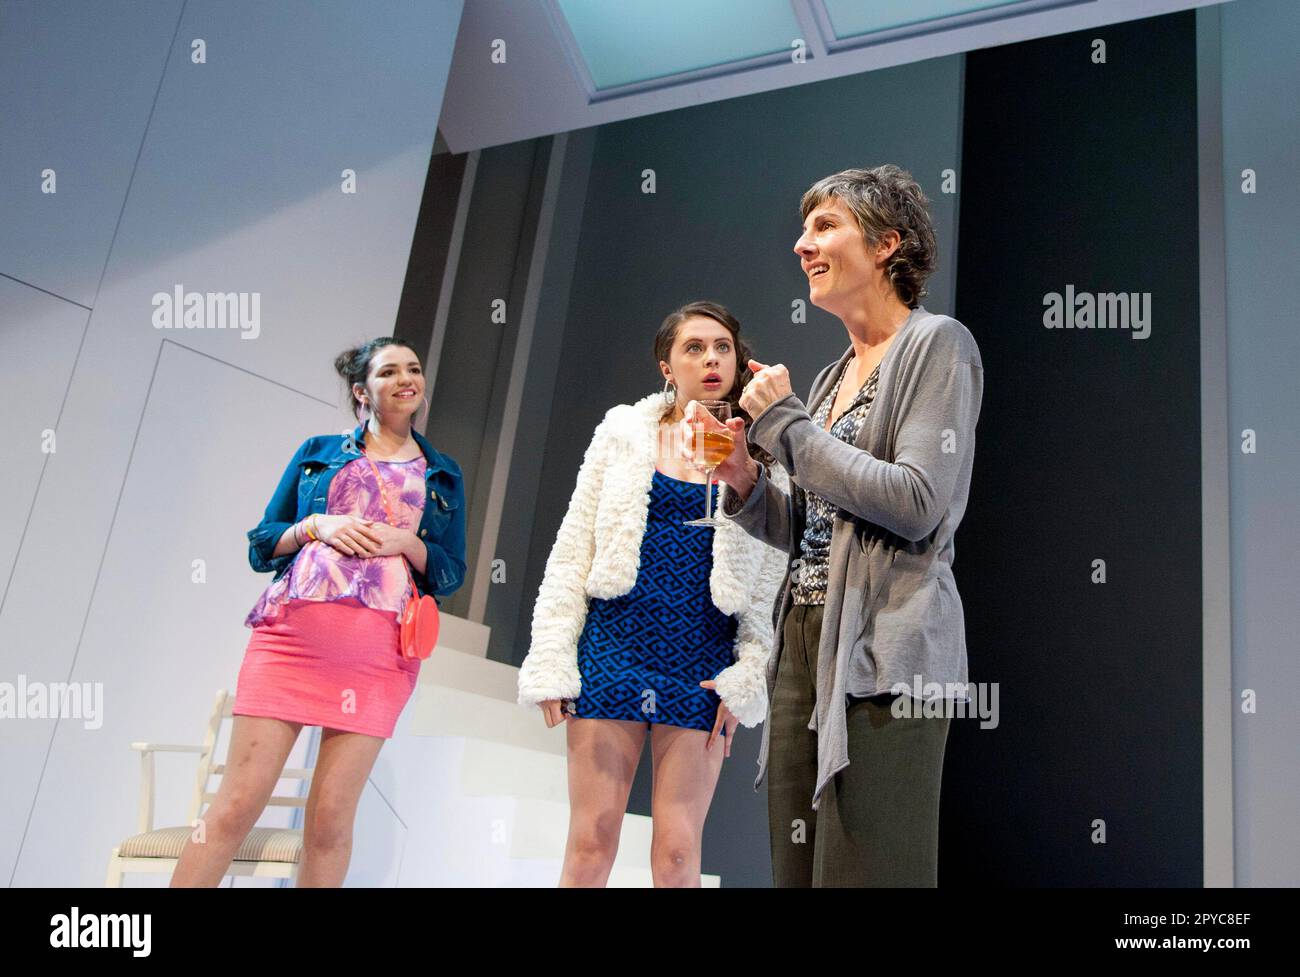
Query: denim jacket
[[304, 489]]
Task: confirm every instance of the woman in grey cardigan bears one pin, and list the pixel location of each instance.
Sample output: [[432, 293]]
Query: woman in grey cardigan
[[869, 612]]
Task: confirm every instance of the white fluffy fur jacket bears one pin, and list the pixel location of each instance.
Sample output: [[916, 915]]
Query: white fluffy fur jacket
[[597, 553]]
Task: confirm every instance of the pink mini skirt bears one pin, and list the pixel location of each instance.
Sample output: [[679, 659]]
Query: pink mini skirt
[[333, 664]]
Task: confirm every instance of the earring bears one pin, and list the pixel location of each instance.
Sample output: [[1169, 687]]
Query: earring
[[363, 413], [669, 400]]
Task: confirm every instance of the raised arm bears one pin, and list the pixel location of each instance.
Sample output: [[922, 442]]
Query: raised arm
[[934, 440], [764, 513]]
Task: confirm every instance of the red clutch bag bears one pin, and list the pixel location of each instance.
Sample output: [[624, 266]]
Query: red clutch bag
[[418, 624]]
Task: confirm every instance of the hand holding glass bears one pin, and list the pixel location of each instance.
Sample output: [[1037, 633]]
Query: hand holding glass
[[709, 449]]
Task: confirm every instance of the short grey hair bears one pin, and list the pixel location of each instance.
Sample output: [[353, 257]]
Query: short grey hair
[[882, 199]]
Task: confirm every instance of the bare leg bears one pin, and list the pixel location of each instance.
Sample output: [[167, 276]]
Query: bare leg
[[685, 775], [342, 768], [603, 755], [258, 748]]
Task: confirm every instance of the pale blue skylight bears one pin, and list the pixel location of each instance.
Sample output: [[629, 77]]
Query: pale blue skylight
[[853, 18], [629, 41]]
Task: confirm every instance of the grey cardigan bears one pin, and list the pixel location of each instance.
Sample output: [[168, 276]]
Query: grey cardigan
[[892, 613]]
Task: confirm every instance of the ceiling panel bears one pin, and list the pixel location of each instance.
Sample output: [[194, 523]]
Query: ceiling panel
[[853, 18], [527, 68], [641, 40]]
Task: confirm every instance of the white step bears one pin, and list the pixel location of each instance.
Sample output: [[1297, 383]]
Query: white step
[[541, 829], [454, 669], [491, 768], [464, 697], [507, 755], [459, 634]]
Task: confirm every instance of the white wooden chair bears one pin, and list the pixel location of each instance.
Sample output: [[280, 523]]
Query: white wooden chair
[[265, 853]]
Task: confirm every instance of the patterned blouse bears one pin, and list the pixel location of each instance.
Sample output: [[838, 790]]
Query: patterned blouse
[[809, 578], [320, 572]]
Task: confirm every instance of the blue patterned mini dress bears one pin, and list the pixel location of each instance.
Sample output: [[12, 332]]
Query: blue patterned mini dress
[[643, 655]]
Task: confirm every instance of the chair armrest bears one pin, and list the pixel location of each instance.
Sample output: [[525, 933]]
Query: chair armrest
[[144, 818], [165, 748]]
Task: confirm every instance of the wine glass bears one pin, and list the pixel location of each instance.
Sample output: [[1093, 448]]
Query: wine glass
[[710, 449]]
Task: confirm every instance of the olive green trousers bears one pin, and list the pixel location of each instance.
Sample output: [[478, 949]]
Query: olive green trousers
[[877, 823]]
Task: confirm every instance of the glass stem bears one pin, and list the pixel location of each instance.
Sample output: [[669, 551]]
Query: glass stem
[[708, 493]]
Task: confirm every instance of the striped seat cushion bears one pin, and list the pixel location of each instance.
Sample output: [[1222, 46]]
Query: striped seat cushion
[[261, 845]]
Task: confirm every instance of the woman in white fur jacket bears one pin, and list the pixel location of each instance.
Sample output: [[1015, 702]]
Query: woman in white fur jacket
[[643, 623]]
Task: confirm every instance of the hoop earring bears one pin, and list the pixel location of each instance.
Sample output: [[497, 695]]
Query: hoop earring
[[425, 401], [363, 413], [669, 400]]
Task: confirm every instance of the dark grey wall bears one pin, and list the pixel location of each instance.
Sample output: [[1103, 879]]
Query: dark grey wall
[[469, 397], [430, 247], [510, 601]]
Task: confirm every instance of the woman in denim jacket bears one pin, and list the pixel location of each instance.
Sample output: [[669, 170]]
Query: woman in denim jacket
[[349, 512]]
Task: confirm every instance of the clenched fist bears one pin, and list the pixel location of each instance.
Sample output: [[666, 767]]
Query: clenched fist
[[769, 385]]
